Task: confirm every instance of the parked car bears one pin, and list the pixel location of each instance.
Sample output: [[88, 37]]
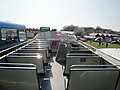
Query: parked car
[[115, 42]]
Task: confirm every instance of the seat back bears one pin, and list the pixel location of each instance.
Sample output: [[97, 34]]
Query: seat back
[[93, 78], [61, 53], [82, 60], [38, 61], [78, 48], [37, 45], [27, 47], [82, 54], [118, 86], [24, 54], [18, 77], [81, 51], [43, 52]]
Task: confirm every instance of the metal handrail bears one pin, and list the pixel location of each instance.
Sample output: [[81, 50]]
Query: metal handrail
[[15, 47]]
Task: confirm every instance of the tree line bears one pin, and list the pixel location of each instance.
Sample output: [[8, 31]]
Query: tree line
[[81, 31]]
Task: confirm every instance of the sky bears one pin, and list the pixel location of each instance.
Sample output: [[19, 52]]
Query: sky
[[59, 13]]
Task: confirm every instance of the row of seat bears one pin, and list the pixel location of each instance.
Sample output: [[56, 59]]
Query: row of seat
[[85, 70], [25, 68]]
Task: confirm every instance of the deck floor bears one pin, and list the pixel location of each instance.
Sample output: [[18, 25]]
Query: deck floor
[[54, 76]]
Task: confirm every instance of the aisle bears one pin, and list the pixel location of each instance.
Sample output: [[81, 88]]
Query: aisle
[[57, 82], [54, 77]]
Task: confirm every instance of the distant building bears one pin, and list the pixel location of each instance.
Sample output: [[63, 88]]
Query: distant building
[[32, 32]]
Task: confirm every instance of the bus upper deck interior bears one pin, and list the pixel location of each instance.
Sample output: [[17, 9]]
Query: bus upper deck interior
[[38, 66]]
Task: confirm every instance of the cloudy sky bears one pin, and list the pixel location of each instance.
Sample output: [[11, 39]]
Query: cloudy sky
[[59, 13]]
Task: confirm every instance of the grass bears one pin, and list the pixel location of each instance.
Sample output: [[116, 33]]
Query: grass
[[95, 45]]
